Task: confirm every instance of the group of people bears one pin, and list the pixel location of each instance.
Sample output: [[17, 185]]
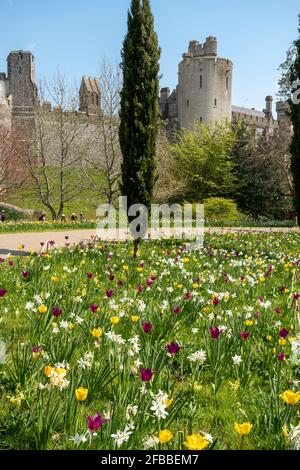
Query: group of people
[[63, 218]]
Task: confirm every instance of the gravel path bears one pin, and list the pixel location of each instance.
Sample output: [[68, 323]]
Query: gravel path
[[10, 243]]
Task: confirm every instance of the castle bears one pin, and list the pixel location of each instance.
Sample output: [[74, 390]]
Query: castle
[[204, 93], [18, 91]]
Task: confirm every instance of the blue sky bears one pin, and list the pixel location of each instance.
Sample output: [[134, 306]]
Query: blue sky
[[74, 35]]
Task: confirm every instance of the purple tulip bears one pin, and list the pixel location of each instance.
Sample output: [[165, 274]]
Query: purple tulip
[[296, 296], [281, 357], [3, 292], [111, 277], [147, 327], [36, 349], [173, 348], [89, 275], [146, 374], [214, 332], [120, 283], [56, 311], [187, 296], [176, 310], [283, 333], [94, 308], [109, 293], [277, 310], [215, 301], [140, 288], [94, 423], [244, 335]]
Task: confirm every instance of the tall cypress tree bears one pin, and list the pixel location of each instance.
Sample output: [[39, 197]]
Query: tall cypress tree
[[139, 106], [295, 118]]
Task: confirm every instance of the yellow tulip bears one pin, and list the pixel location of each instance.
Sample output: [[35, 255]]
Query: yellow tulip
[[135, 318], [244, 428], [97, 332], [81, 393], [196, 442], [115, 320], [290, 397], [43, 309], [165, 436]]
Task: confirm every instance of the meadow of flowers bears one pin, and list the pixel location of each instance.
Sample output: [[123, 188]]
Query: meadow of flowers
[[176, 350]]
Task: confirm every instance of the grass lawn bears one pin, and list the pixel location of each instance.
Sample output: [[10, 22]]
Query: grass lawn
[[86, 202], [179, 349]]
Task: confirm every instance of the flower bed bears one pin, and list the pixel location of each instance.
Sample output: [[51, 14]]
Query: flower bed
[[177, 350]]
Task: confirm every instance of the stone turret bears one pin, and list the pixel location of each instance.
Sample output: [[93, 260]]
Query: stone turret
[[205, 83]]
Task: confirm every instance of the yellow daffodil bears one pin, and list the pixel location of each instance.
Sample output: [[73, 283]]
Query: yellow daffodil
[[125, 267], [81, 393], [115, 320], [54, 278], [249, 322], [48, 370], [196, 442], [165, 436], [282, 341], [139, 269], [269, 338], [195, 285], [244, 428], [290, 397]]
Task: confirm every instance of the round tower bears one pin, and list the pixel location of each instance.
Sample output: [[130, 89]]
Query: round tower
[[205, 84]]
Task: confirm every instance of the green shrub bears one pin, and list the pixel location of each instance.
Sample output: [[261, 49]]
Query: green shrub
[[221, 209]]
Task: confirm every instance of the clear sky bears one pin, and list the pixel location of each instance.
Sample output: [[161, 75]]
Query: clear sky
[[74, 35]]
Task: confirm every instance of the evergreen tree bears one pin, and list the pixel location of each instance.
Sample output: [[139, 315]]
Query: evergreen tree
[[295, 118], [139, 107]]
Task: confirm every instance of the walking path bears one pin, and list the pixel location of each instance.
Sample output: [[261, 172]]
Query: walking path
[[23, 243]]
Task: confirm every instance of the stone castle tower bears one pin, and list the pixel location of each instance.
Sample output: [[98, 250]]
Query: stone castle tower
[[205, 82], [21, 83], [204, 93]]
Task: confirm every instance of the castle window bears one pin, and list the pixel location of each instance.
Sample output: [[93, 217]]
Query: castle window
[[201, 81], [227, 83], [215, 105], [188, 103], [201, 119]]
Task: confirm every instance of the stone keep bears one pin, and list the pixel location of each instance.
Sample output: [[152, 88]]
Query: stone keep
[[205, 85], [21, 83]]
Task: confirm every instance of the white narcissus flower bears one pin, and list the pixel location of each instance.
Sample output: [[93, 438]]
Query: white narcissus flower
[[123, 436], [198, 356], [237, 360], [150, 442], [295, 437], [78, 439]]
